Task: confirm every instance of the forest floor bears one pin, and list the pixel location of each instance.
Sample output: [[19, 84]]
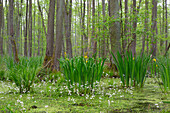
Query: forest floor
[[108, 97]]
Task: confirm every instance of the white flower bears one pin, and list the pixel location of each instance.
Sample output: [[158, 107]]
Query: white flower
[[46, 106]]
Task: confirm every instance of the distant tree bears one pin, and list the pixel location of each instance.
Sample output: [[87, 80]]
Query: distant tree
[[1, 38], [26, 30]]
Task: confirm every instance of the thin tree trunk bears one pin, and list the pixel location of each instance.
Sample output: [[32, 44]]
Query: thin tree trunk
[[30, 29], [34, 28], [145, 28], [133, 44], [94, 42], [146, 25], [126, 31], [163, 27], [25, 43], [39, 34], [69, 40], [88, 39], [166, 26], [154, 27], [1, 22], [104, 28], [39, 7], [18, 27]]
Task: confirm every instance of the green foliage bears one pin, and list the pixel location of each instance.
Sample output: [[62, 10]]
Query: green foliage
[[131, 69], [23, 73], [82, 73], [164, 69]]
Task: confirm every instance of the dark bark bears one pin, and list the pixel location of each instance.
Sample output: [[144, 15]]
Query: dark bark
[[30, 29], [94, 41], [25, 43], [166, 25], [103, 45], [1, 22]]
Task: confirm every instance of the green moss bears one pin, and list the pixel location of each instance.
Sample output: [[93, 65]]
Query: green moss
[[109, 97]]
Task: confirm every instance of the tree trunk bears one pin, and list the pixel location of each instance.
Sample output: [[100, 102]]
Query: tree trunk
[[103, 45], [94, 41], [30, 29], [115, 26], [18, 27], [88, 39], [145, 28], [163, 27], [1, 38], [126, 31], [39, 34], [68, 28], [13, 43], [154, 27], [166, 26], [25, 43], [133, 44], [59, 34], [50, 34], [34, 27]]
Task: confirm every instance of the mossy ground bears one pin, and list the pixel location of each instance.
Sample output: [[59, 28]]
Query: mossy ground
[[108, 97]]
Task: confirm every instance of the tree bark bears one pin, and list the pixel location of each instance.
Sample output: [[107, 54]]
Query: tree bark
[[39, 7], [50, 34], [39, 34], [115, 27], [154, 27], [25, 43], [59, 34], [133, 44], [13, 43], [166, 26], [125, 27], [94, 41], [30, 29], [103, 45], [68, 28], [1, 38], [145, 28]]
